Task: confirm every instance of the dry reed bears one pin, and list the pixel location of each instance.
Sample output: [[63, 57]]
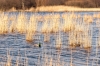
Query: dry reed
[[31, 28], [3, 23], [68, 24], [21, 23]]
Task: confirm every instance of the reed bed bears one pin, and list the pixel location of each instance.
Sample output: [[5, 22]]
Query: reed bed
[[73, 29]]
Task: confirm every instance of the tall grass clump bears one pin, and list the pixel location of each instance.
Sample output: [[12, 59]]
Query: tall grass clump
[[68, 23], [31, 28], [88, 18], [12, 26], [78, 30], [87, 32], [72, 40], [21, 23], [45, 27], [97, 16], [55, 23], [29, 37], [3, 23], [87, 43], [78, 34], [32, 25]]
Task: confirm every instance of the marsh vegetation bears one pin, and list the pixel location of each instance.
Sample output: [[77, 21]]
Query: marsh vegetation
[[49, 38]]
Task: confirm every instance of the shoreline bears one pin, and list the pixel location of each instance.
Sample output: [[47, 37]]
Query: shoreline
[[57, 9]]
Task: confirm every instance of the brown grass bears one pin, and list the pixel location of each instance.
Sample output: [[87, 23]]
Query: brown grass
[[59, 8], [64, 8]]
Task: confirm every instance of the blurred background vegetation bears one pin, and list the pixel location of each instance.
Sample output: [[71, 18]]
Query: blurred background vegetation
[[19, 4]]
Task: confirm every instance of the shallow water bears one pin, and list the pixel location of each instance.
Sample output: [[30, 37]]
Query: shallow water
[[15, 46]]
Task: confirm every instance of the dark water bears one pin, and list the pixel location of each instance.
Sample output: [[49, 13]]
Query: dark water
[[15, 46]]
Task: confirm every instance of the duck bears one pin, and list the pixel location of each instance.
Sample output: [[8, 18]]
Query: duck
[[37, 45]]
